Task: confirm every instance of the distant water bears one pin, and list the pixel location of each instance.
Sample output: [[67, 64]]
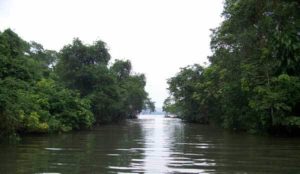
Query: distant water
[[151, 144]]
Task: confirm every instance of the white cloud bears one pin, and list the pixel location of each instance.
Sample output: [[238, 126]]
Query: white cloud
[[158, 36]]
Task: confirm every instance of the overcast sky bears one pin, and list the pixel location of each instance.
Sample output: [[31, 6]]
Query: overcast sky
[[157, 36]]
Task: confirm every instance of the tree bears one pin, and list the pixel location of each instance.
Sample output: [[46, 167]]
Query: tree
[[252, 81], [79, 66], [132, 89], [43, 91], [30, 101], [115, 92]]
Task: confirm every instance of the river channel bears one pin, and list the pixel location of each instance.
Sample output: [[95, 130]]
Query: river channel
[[151, 144]]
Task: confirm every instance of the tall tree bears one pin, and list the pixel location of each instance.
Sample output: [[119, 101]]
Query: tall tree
[[252, 82]]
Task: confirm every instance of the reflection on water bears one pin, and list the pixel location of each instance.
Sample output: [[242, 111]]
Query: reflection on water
[[157, 143], [151, 144]]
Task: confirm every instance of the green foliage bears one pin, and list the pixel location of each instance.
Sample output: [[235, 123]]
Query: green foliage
[[170, 106], [252, 83], [63, 105], [80, 66], [44, 91], [115, 92], [182, 88]]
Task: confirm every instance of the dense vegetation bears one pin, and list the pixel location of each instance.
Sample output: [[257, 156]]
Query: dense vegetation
[[253, 80], [47, 91]]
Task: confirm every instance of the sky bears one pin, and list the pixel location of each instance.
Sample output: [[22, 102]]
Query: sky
[[158, 36]]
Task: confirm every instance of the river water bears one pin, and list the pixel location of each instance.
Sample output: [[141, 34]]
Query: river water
[[151, 144]]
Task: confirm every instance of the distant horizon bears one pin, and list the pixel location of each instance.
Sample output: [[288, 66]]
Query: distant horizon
[[158, 111]]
